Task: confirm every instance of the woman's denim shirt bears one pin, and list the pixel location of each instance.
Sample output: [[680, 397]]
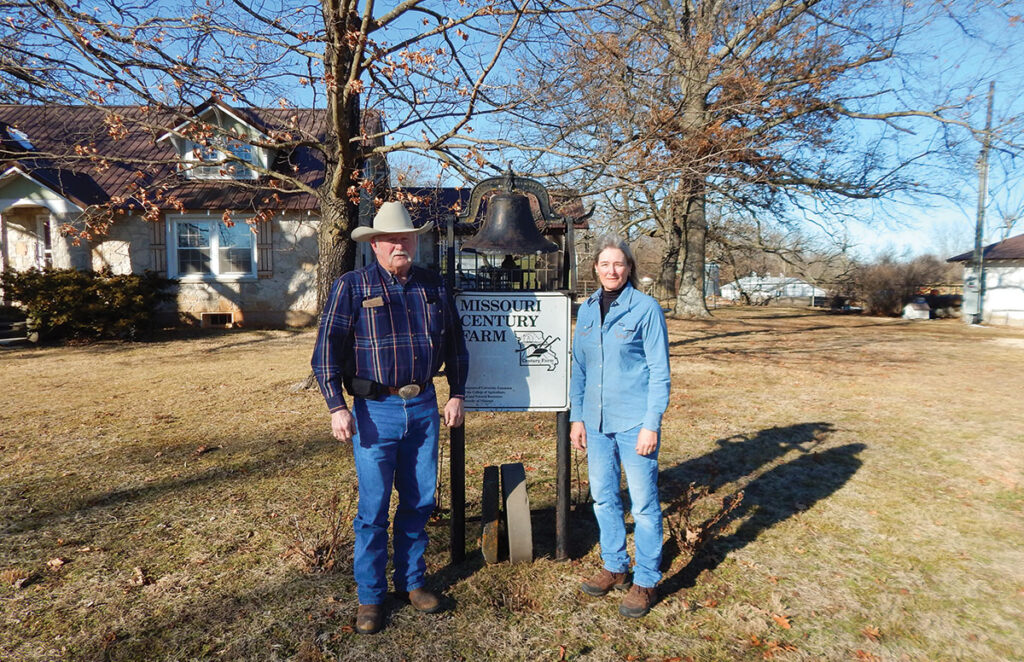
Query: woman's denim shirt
[[620, 371]]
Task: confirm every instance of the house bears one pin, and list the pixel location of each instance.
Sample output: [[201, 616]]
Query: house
[[167, 197], [764, 288], [1002, 288], [173, 196]]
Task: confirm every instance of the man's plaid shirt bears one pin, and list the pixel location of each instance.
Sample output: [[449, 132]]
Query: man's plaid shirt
[[374, 327]]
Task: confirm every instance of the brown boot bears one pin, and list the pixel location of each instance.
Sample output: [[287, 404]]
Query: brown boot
[[423, 600], [369, 619], [605, 581], [638, 601]]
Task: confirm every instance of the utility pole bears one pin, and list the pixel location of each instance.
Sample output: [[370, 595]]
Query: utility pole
[[978, 259]]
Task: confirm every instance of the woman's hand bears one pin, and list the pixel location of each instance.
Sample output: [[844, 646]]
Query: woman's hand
[[646, 441], [578, 435]]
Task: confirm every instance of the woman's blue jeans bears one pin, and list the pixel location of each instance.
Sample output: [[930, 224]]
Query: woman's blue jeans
[[395, 445], [607, 454]]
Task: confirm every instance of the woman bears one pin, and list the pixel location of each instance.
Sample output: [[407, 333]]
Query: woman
[[620, 388]]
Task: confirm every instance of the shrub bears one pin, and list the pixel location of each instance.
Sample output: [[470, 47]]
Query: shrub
[[323, 533], [70, 304], [886, 285]]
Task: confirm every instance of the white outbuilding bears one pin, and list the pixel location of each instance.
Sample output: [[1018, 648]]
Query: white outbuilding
[[762, 288], [1001, 287]]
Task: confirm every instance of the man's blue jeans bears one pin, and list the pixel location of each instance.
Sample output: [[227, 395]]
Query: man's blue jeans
[[395, 445], [606, 453]]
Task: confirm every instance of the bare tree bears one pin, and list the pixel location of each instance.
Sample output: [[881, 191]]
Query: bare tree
[[670, 109], [888, 283], [423, 68]]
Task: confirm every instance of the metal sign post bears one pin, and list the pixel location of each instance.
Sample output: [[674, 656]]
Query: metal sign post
[[518, 336]]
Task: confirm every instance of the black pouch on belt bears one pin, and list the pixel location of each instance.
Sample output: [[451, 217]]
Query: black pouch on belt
[[362, 388]]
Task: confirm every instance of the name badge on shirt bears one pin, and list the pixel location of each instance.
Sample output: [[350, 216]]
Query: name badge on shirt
[[375, 302]]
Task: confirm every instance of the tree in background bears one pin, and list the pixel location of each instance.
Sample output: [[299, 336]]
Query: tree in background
[[766, 109], [424, 68]]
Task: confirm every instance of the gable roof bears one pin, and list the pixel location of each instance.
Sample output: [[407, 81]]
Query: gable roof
[[215, 104], [1008, 249], [84, 154]]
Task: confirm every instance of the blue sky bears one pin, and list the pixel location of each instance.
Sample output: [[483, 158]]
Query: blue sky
[[955, 62], [946, 60]]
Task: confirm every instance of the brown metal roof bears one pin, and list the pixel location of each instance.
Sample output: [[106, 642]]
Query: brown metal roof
[[81, 153], [1008, 249]]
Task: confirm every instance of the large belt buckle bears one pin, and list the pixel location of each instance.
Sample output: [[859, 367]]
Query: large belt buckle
[[409, 391]]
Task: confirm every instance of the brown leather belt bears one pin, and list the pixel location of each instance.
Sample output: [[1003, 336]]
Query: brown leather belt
[[405, 392]]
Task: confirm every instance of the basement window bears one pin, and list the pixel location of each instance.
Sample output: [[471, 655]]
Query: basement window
[[217, 320]]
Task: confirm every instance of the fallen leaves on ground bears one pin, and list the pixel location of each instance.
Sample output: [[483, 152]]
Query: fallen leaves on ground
[[16, 577], [771, 648], [783, 621], [139, 577]]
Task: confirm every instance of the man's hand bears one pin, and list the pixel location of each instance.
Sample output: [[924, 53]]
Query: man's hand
[[454, 413], [646, 441], [578, 435], [343, 425]]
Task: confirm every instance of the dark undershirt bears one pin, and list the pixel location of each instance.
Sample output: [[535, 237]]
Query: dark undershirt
[[607, 299]]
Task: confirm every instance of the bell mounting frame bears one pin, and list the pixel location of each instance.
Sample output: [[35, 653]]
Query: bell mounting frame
[[509, 182]]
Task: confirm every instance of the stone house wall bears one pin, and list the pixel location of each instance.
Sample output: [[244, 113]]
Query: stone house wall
[[284, 294]]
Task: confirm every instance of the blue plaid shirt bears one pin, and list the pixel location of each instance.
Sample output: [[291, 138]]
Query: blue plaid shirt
[[374, 327]]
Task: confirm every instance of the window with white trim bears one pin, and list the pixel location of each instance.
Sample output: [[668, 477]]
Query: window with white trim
[[44, 245], [204, 248], [217, 152]]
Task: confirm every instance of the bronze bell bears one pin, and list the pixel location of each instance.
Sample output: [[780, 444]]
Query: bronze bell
[[509, 228]]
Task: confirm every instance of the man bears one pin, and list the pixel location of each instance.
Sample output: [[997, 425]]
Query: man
[[384, 332]]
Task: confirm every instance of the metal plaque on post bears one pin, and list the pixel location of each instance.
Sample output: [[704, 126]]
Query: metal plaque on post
[[519, 350]]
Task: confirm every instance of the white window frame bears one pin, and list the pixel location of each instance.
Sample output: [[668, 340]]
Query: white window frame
[[173, 224], [218, 152], [44, 241]]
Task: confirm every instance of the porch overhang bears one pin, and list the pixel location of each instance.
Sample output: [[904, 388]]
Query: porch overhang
[[47, 196]]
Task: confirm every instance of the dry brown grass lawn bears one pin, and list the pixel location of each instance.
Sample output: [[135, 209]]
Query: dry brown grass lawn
[[149, 495]]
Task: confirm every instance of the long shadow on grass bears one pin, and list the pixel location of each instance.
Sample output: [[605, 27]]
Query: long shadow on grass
[[740, 455], [736, 457], [284, 458], [769, 499]]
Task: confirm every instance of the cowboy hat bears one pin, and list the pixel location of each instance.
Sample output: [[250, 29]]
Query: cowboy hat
[[393, 218]]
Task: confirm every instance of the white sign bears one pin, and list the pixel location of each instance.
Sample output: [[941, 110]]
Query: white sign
[[518, 350]]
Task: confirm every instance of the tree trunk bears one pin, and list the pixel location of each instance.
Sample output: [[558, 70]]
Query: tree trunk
[[345, 156], [337, 256], [690, 297], [669, 264], [337, 250]]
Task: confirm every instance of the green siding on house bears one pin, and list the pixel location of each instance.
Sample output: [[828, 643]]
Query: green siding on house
[[22, 188]]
